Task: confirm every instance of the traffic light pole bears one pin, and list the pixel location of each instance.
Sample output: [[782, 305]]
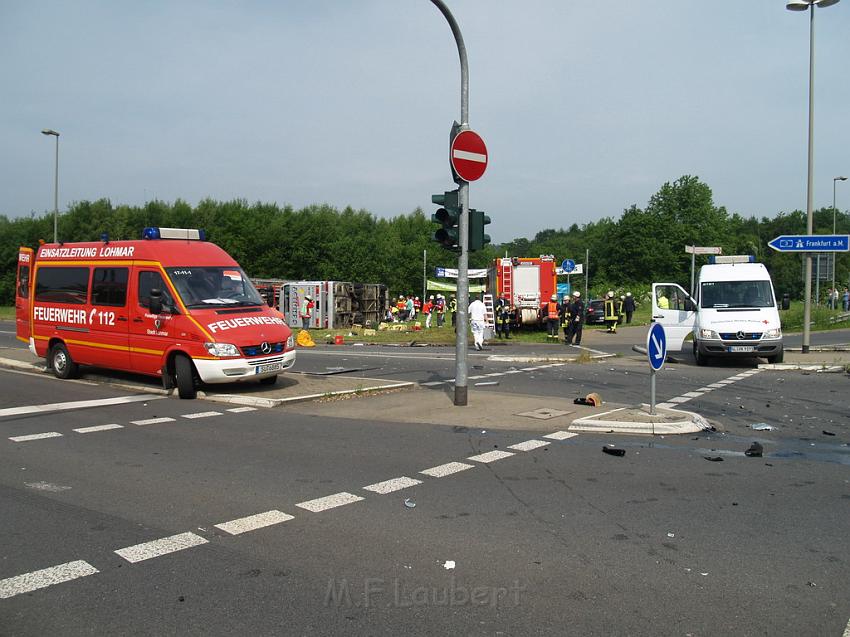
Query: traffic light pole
[[461, 342]]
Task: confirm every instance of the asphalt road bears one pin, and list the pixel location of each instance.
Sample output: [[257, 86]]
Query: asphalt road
[[559, 539]]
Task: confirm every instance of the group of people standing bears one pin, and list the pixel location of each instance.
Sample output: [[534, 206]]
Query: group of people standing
[[618, 311], [568, 314], [834, 297], [408, 308]]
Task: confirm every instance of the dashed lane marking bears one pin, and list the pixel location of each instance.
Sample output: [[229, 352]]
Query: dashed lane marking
[[254, 522], [673, 402], [152, 421], [529, 445], [396, 484], [329, 502], [202, 414], [241, 410], [490, 456], [78, 404], [88, 430], [47, 434], [35, 580], [157, 548], [443, 470], [560, 435], [692, 394]]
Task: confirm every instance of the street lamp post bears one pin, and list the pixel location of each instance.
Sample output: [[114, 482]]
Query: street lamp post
[[834, 254], [48, 131], [809, 5]]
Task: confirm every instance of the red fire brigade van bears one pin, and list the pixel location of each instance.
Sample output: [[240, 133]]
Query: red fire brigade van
[[170, 305]]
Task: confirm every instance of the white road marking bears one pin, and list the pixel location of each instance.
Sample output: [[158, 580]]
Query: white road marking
[[477, 377], [496, 374], [164, 546], [529, 445], [717, 385], [560, 435], [329, 502], [433, 383], [443, 470], [254, 522], [705, 389], [48, 434], [76, 381], [88, 430], [666, 405], [241, 410], [203, 414], [679, 399], [595, 351], [692, 394], [78, 404], [514, 371], [396, 484], [490, 456], [152, 421], [47, 486], [847, 630], [35, 580]]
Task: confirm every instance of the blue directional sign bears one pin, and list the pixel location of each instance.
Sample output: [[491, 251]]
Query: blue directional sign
[[656, 346], [568, 265], [811, 243]]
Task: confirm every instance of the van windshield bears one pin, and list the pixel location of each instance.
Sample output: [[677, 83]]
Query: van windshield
[[736, 294], [213, 286]]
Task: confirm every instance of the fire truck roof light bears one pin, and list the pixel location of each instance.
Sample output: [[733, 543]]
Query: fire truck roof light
[[732, 258], [191, 234]]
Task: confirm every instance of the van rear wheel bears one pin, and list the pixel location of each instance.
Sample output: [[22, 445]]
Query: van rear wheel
[[62, 363], [184, 374]]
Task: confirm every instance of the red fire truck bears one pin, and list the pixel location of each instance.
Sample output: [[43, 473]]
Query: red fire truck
[[527, 282], [172, 306]]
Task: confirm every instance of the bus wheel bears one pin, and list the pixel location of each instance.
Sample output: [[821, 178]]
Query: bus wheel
[[185, 377], [62, 363]]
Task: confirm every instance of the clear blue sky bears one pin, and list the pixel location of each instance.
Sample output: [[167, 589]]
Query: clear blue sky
[[586, 107]]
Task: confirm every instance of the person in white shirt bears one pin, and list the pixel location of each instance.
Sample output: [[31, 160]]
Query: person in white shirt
[[477, 321]]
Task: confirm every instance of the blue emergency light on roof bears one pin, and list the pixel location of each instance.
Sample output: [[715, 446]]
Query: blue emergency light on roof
[[191, 234], [732, 258]]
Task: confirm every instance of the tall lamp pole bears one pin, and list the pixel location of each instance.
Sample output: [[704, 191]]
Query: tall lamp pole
[[48, 131], [809, 5], [834, 254]]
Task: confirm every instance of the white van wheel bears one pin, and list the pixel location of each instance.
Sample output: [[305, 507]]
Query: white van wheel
[[701, 359], [184, 373]]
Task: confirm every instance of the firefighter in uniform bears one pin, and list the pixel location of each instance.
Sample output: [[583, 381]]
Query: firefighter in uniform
[[565, 319], [453, 311], [621, 310], [577, 320], [551, 309], [611, 313], [502, 310]]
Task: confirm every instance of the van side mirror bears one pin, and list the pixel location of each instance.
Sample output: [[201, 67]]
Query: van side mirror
[[786, 301], [155, 304]]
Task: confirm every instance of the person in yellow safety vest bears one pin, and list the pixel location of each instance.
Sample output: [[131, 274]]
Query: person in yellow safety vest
[[566, 317], [621, 312], [552, 312], [611, 312], [453, 310], [502, 311], [663, 301]]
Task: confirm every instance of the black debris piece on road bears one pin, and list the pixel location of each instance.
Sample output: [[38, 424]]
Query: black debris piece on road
[[713, 458], [613, 451], [755, 451]]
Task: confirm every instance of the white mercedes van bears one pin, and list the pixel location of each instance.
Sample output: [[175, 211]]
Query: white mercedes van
[[734, 313]]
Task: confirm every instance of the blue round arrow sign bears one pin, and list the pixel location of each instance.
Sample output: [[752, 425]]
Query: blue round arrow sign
[[568, 265], [656, 346]]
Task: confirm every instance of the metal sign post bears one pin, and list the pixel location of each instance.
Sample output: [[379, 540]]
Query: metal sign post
[[656, 352]]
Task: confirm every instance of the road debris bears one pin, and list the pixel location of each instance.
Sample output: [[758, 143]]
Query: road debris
[[449, 565], [409, 503], [761, 426], [755, 451], [713, 458], [613, 451], [827, 433]]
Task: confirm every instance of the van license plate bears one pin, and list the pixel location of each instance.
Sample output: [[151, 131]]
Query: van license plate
[[742, 348], [271, 367]]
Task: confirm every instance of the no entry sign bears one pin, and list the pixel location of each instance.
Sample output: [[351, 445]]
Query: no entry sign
[[468, 155]]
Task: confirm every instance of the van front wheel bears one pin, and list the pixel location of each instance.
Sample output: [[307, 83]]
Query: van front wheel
[[185, 377], [62, 363], [701, 359]]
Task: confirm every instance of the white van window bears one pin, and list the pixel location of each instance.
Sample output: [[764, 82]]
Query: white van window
[[736, 294]]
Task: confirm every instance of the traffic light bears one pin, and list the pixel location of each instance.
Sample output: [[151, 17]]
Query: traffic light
[[449, 217], [477, 221]]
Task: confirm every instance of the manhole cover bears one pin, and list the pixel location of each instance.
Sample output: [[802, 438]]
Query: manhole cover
[[544, 413]]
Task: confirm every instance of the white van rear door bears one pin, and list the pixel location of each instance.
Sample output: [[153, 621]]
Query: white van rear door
[[673, 308]]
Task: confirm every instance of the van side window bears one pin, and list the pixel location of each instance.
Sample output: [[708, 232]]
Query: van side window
[[109, 286], [24, 281], [149, 280], [62, 285]]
